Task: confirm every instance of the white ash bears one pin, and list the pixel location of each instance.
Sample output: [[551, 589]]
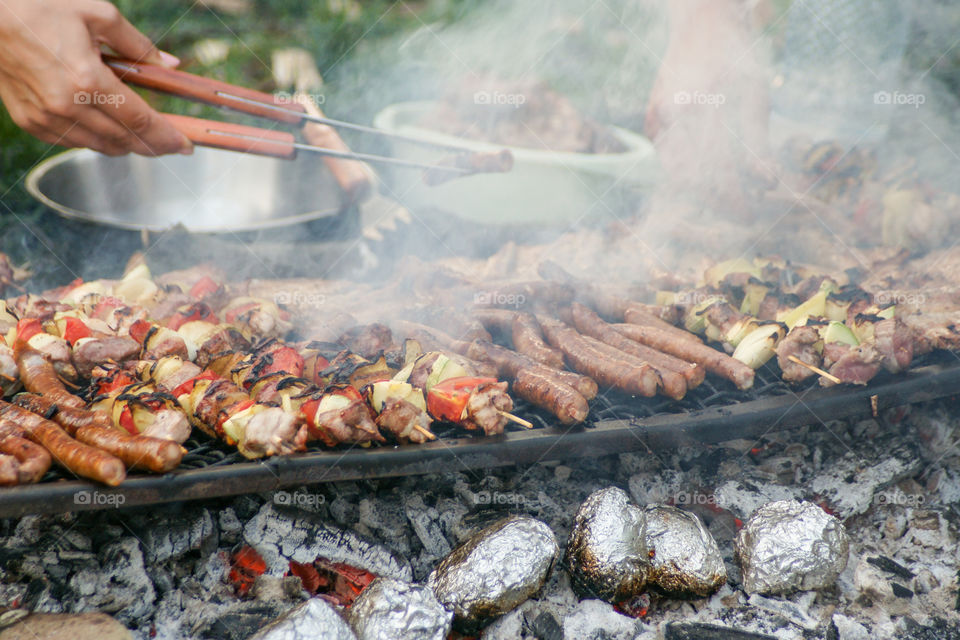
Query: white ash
[[908, 513]]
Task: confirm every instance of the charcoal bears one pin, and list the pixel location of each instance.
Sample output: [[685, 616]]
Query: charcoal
[[878, 585], [495, 570], [789, 545], [389, 609], [701, 631], [684, 558], [424, 521], [281, 537], [891, 566], [165, 537], [230, 526], [607, 555], [313, 620], [118, 584], [546, 627]]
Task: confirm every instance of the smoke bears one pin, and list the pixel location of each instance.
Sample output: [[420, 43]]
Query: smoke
[[737, 89]]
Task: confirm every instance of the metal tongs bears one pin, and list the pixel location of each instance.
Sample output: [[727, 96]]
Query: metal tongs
[[255, 140]]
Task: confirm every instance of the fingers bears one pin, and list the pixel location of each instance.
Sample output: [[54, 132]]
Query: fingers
[[145, 131], [109, 27]]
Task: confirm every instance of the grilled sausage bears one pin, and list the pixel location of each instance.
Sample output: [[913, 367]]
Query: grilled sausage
[[712, 360], [624, 373], [9, 470], [509, 363], [640, 316], [39, 376], [498, 321], [677, 376], [33, 460], [97, 430], [560, 399], [76, 457], [528, 340]]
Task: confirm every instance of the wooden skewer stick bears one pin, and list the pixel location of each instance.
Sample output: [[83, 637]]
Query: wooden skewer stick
[[829, 376], [426, 432], [517, 419]]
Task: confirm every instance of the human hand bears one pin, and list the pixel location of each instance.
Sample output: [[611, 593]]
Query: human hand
[[55, 85]]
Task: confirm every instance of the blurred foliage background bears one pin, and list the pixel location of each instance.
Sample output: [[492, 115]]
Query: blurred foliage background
[[373, 52]]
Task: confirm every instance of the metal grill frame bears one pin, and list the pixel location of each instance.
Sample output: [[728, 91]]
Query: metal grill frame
[[752, 418]]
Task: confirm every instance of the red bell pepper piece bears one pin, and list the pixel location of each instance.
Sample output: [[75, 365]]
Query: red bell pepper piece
[[126, 420], [74, 329], [284, 360], [203, 288], [196, 311], [139, 330], [447, 399], [231, 316], [28, 327], [187, 387]]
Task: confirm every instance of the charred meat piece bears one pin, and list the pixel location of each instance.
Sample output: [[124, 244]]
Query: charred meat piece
[[802, 343], [368, 341]]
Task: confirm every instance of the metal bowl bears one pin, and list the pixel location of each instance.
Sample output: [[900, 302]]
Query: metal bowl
[[253, 216], [211, 191]]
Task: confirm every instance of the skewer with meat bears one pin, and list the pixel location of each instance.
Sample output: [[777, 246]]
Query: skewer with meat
[[222, 410], [563, 393], [256, 318], [454, 393], [272, 375], [136, 407]]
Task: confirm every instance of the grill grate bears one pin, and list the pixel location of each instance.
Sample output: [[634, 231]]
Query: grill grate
[[714, 412]]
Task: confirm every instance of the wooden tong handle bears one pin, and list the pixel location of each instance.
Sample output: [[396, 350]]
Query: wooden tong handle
[[205, 90], [235, 137]]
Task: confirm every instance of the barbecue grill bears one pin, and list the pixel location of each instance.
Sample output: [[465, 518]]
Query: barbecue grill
[[713, 412]]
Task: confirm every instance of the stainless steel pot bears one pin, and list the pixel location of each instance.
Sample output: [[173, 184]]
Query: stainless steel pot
[[260, 215]]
